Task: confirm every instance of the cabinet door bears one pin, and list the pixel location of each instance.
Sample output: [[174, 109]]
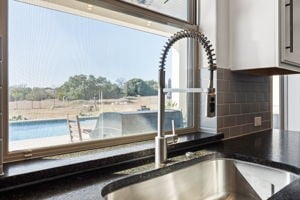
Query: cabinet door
[[252, 40], [290, 32]]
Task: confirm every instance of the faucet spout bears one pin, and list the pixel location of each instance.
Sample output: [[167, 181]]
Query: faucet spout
[[160, 139]]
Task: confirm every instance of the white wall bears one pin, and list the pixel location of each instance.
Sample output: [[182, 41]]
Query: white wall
[[293, 103], [214, 23], [3, 21]]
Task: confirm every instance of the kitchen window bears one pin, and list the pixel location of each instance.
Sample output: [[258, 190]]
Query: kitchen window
[[83, 75], [276, 102], [175, 8]]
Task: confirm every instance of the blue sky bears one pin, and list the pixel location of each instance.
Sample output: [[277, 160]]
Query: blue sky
[[46, 47]]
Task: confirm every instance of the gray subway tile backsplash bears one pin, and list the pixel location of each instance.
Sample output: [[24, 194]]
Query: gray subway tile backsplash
[[250, 97], [235, 131], [222, 109], [260, 97], [229, 121], [234, 109], [241, 98], [229, 97], [220, 99], [225, 131]]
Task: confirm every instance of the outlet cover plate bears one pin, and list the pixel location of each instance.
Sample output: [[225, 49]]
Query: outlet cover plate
[[257, 121]]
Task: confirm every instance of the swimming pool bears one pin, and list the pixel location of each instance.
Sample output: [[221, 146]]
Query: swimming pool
[[43, 128]]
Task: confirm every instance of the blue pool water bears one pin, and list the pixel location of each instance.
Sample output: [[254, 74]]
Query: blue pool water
[[44, 128]]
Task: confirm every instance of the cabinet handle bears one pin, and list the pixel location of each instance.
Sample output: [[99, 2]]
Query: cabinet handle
[[291, 5]]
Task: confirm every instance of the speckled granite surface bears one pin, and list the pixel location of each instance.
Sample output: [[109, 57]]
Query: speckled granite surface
[[85, 186], [278, 149], [105, 161], [81, 187], [291, 192]]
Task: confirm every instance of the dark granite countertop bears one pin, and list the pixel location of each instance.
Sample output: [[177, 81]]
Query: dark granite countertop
[[88, 170], [279, 149], [275, 148], [278, 146]]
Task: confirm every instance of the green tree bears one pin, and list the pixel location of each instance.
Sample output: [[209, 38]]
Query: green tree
[[75, 88], [18, 93], [38, 94], [153, 84], [87, 87], [121, 82], [138, 87]]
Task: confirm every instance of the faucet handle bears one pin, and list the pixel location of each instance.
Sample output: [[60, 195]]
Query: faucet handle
[[172, 138], [173, 127]]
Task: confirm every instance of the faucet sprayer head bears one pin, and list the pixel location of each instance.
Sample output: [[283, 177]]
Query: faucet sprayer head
[[200, 37]]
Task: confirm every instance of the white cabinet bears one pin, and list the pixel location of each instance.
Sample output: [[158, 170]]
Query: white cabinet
[[252, 36], [290, 31], [255, 35]]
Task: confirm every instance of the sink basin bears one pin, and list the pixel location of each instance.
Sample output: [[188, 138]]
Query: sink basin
[[211, 179]]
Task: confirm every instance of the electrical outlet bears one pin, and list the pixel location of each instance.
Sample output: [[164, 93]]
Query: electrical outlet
[[257, 121]]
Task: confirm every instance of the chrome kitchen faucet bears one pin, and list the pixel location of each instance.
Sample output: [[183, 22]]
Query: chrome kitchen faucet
[[161, 138]]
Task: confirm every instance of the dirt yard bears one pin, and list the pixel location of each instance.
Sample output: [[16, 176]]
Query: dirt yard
[[51, 109]]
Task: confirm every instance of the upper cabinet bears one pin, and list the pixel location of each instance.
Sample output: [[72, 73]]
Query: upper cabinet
[[290, 32], [264, 36]]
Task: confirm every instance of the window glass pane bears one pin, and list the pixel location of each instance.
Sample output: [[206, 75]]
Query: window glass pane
[[96, 80], [276, 108], [174, 8]]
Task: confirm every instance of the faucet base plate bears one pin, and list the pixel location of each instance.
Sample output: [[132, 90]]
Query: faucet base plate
[[160, 151]]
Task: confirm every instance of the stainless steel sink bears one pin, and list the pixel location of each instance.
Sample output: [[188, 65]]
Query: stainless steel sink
[[213, 179]]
